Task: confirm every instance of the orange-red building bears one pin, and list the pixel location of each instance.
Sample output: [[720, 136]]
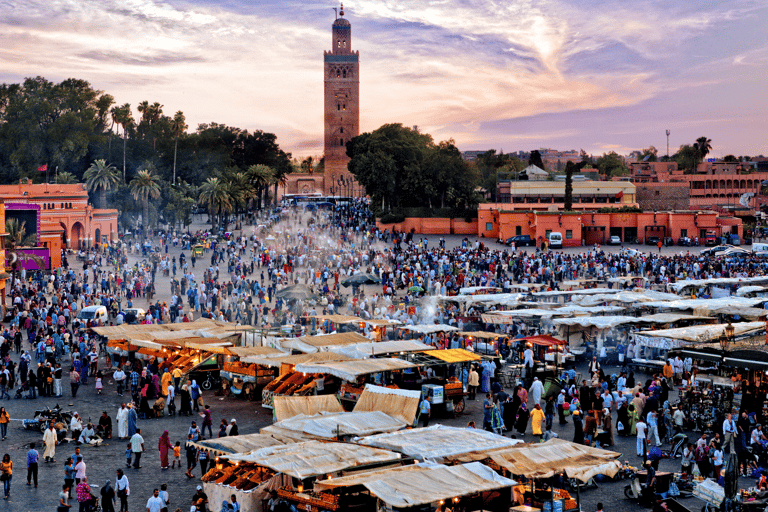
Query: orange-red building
[[66, 218], [587, 228]]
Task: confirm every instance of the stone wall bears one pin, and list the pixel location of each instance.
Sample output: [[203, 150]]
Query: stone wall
[[663, 197]]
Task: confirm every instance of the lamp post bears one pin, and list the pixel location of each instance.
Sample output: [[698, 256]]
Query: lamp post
[[727, 336]]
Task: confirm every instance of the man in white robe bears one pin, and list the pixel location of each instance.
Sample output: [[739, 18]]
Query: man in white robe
[[122, 422], [50, 440], [537, 389]]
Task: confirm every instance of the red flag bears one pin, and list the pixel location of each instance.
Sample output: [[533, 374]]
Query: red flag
[[43, 168], [620, 194]]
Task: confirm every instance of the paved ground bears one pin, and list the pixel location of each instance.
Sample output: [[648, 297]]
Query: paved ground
[[103, 461]]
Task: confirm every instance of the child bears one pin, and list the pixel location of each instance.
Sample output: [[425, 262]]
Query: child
[[99, 385], [176, 455], [128, 455]]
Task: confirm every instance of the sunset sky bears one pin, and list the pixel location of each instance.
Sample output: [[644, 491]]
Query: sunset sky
[[514, 75]]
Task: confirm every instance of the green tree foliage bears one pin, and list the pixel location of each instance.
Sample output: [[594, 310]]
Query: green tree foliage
[[66, 178], [494, 167], [101, 176], [17, 238], [611, 164], [687, 158], [730, 159], [704, 145], [401, 167], [651, 153], [214, 194], [145, 186]]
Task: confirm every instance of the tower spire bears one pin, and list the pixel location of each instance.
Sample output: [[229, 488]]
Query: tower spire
[[341, 12]]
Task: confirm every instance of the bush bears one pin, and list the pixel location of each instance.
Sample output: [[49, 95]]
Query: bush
[[392, 218]]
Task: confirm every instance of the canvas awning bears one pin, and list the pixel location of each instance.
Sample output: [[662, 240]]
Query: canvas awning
[[314, 458], [401, 404], [422, 484], [544, 340], [279, 360], [255, 351], [482, 335], [676, 338], [600, 322], [438, 441], [236, 444], [556, 456], [339, 319], [331, 425], [351, 370], [323, 342], [429, 328], [366, 350], [286, 407]]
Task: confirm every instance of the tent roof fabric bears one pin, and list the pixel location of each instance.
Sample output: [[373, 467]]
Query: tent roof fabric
[[422, 484], [323, 342], [351, 370], [366, 350], [279, 360], [553, 457], [438, 441], [544, 340], [330, 425], [237, 444], [454, 355], [339, 319], [703, 333], [429, 328], [483, 335], [401, 404], [313, 458], [255, 351], [287, 407]]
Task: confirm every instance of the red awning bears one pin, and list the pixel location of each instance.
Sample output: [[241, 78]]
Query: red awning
[[544, 340]]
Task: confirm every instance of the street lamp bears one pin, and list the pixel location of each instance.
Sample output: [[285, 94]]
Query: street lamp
[[727, 337]]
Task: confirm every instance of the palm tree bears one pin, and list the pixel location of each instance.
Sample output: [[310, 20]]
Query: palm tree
[[16, 239], [178, 126], [260, 176], [102, 176], [704, 145], [66, 178], [215, 195], [144, 186], [123, 117]]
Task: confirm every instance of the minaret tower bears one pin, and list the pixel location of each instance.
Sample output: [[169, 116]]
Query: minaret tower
[[342, 107]]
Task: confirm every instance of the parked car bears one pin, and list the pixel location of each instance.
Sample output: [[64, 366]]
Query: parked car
[[652, 240], [713, 251], [614, 240], [521, 241]]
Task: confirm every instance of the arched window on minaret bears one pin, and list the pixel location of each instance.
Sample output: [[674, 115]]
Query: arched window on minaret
[[344, 73], [338, 106], [344, 43], [341, 130], [341, 142]]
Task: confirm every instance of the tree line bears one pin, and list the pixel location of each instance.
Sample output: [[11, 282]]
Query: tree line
[[138, 160]]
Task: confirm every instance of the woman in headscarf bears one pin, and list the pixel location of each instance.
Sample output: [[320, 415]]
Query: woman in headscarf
[[622, 417], [497, 422], [164, 444], [510, 409], [155, 387], [108, 497], [166, 381], [632, 419], [133, 417], [186, 405], [608, 427], [522, 418], [226, 506]]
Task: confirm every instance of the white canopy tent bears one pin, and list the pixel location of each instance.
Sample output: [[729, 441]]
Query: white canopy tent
[[429, 328], [366, 350], [351, 370], [675, 338]]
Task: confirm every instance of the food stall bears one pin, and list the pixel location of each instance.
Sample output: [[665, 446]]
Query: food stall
[[290, 471], [241, 378], [378, 328], [441, 378], [353, 374], [541, 464], [421, 487], [380, 349], [287, 407], [321, 343], [295, 383], [235, 444]]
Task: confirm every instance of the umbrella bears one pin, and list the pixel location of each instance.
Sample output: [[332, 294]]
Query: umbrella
[[415, 289], [297, 291], [359, 279]]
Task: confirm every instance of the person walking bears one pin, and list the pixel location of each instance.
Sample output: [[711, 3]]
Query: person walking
[[191, 451], [122, 422], [74, 382], [32, 459], [83, 493], [207, 421], [123, 490], [4, 420], [6, 475], [425, 411], [155, 502], [119, 377], [137, 447], [50, 440], [472, 382], [69, 476], [64, 498], [108, 497], [164, 445]]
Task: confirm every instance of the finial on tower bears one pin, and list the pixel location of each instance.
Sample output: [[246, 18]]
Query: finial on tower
[[341, 12]]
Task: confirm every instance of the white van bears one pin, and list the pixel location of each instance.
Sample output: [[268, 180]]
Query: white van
[[762, 248], [94, 313], [555, 240]]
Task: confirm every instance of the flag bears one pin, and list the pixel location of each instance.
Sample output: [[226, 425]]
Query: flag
[[43, 168], [620, 194]]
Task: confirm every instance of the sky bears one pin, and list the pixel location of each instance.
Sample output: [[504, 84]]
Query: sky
[[598, 75]]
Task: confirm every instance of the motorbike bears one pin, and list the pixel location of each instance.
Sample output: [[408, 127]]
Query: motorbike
[[44, 416]]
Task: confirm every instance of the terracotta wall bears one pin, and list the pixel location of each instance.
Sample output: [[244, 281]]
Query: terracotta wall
[[433, 226]]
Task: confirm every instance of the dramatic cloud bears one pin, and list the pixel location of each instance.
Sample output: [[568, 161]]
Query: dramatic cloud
[[490, 74]]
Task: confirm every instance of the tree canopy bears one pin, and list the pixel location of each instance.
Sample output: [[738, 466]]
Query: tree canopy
[[400, 167]]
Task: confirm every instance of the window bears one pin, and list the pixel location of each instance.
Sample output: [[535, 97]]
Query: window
[[338, 44], [341, 130], [518, 230], [338, 74], [344, 106], [683, 232], [344, 74], [341, 142], [344, 43], [568, 234], [546, 233], [489, 226], [338, 106]]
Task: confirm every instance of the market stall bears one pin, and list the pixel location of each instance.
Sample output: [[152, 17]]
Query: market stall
[[380, 349], [467, 487], [289, 470], [286, 407], [333, 426], [401, 404], [441, 378], [321, 343], [235, 444], [244, 379]]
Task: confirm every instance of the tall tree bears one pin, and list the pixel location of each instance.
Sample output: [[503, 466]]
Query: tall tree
[[123, 117], [101, 176], [179, 126], [260, 177], [145, 186], [66, 178], [535, 159], [611, 164], [215, 195], [704, 145], [687, 158]]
